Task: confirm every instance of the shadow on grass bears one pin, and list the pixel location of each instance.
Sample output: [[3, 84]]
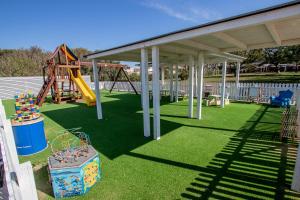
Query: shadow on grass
[[119, 132], [42, 182], [254, 164]]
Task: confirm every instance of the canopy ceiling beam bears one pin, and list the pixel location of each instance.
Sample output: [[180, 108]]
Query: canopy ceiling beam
[[178, 50], [169, 55], [231, 40], [179, 59], [214, 61], [133, 56], [266, 45], [227, 56], [168, 61], [198, 45], [273, 32]]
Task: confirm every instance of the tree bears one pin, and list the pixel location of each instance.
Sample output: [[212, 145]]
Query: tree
[[22, 62], [134, 77], [183, 73]]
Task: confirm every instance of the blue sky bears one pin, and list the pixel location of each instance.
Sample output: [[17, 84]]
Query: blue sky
[[103, 24]]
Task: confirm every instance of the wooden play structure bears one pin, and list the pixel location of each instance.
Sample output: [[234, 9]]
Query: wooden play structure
[[118, 67], [61, 74], [63, 78]]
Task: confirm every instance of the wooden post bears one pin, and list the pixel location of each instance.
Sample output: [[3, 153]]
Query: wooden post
[[116, 78], [97, 90], [191, 85], [156, 93], [145, 91], [132, 86]]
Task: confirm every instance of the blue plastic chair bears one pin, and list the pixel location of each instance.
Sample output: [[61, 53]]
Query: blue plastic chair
[[283, 99]]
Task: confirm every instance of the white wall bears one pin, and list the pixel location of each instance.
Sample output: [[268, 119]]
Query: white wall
[[10, 86]]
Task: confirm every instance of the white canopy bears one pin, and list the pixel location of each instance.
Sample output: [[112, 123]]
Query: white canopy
[[270, 27], [204, 44]]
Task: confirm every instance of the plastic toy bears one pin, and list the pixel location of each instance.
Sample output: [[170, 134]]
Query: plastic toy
[[25, 108], [283, 99], [74, 166], [28, 125]]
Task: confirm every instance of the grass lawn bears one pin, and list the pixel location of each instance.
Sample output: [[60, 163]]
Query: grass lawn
[[232, 153], [263, 77]]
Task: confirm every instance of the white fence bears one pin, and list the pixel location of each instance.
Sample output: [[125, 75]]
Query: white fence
[[19, 181], [245, 91], [10, 86]]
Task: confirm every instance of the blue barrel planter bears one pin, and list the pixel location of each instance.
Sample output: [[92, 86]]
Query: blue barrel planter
[[29, 136]]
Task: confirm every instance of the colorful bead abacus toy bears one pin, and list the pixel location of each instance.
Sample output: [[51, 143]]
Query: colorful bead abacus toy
[[25, 108]]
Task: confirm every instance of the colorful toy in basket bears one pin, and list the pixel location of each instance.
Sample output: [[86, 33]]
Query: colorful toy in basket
[[25, 108], [28, 126], [74, 166]]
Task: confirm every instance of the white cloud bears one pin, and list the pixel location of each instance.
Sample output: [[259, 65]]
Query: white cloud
[[205, 13], [192, 13], [168, 10]]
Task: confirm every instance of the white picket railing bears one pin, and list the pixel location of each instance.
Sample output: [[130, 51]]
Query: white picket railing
[[19, 181], [10, 86], [245, 91]]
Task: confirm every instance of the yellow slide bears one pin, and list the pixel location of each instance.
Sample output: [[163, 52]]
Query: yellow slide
[[86, 91]]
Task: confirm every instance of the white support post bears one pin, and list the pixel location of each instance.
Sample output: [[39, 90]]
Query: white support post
[[191, 85], [297, 93], [200, 85], [171, 83], [162, 76], [296, 175], [156, 93], [97, 90], [237, 80], [196, 81], [298, 99], [223, 84], [176, 83], [298, 124], [145, 91]]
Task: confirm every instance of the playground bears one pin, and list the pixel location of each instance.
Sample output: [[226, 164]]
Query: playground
[[73, 136], [192, 158]]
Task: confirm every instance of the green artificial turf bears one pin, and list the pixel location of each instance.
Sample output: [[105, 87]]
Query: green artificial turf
[[232, 153]]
